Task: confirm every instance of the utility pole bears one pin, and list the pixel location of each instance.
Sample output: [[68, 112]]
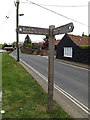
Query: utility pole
[[17, 22]]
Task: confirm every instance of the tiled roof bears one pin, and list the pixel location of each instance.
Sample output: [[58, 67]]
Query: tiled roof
[[80, 40], [56, 42]]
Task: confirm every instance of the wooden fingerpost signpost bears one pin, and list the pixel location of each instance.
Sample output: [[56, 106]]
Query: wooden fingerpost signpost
[[51, 32]]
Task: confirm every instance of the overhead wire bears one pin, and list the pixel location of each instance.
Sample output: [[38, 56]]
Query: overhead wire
[[59, 5], [64, 6], [42, 6], [6, 18], [57, 13]]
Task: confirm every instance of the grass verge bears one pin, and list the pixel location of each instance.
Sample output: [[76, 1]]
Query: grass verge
[[23, 97], [0, 83]]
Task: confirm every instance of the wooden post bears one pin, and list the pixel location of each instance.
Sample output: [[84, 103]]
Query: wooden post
[[50, 68]]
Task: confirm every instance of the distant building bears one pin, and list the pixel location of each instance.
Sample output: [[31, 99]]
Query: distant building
[[56, 43], [9, 47], [69, 48]]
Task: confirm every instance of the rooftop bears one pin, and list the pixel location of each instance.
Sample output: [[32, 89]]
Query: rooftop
[[80, 40]]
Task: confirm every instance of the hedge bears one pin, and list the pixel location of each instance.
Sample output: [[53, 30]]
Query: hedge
[[85, 46]]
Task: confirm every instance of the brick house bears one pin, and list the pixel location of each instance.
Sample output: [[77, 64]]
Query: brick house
[[56, 43], [79, 40], [69, 48]]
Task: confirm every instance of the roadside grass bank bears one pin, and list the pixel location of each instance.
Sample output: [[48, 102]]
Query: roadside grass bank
[[0, 72], [0, 83], [23, 97]]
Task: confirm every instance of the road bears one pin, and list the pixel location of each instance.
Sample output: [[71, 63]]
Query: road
[[71, 79]]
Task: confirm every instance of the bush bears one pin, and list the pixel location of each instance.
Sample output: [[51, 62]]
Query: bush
[[3, 45], [29, 45], [38, 52], [85, 46]]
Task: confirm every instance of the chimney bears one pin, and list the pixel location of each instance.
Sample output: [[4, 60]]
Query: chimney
[[83, 34]]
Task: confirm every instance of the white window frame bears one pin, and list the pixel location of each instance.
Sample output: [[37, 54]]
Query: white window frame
[[68, 52]]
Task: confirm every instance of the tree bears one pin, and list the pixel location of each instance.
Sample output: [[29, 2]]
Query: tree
[[36, 45], [27, 43], [3, 45], [27, 40], [85, 35], [46, 38], [45, 43]]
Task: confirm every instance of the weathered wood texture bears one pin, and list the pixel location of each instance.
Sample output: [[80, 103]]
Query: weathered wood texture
[[50, 69], [32, 30], [63, 29]]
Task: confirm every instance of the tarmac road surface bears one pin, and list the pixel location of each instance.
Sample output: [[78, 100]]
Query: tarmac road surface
[[73, 80]]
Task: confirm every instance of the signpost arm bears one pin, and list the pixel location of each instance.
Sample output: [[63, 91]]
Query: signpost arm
[[17, 35], [50, 68]]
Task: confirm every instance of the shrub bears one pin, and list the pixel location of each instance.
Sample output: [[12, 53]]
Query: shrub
[[38, 52], [29, 45], [85, 46]]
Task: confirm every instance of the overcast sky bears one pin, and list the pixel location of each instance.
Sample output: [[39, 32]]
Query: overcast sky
[[38, 17]]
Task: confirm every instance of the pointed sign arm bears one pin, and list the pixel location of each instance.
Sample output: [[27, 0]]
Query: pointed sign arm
[[32, 30], [63, 29]]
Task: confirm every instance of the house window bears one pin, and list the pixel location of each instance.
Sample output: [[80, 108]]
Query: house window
[[68, 52]]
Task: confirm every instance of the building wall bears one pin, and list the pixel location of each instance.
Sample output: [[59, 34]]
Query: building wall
[[26, 50], [78, 54]]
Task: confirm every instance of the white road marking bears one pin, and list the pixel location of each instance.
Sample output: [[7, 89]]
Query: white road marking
[[74, 100], [64, 64], [68, 64], [73, 66]]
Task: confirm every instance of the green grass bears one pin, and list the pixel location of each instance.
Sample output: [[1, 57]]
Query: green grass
[[0, 81], [23, 97], [0, 72]]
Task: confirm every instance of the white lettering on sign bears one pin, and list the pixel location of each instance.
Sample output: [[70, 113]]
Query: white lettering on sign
[[32, 30]]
